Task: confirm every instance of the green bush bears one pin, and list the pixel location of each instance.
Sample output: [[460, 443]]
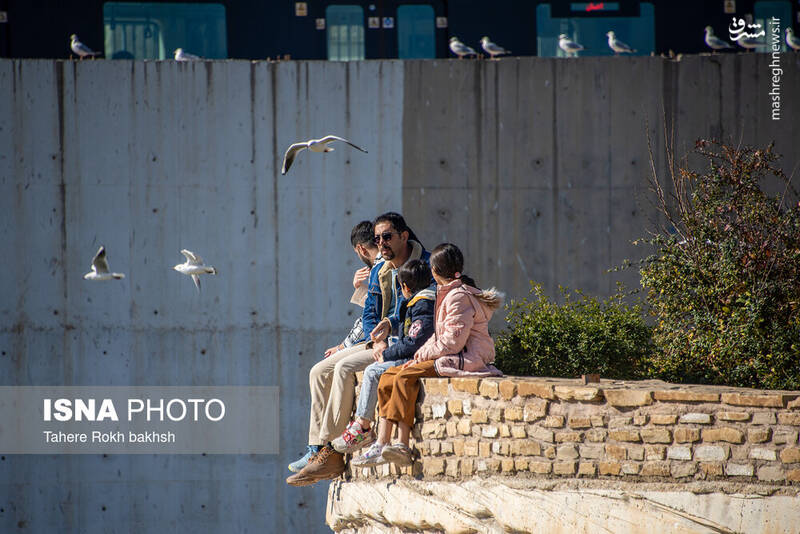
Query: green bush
[[724, 282], [583, 335]]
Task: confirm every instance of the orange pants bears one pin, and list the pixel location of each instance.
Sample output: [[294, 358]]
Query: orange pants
[[398, 390]]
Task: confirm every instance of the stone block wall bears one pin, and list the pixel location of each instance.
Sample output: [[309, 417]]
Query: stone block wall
[[628, 431]]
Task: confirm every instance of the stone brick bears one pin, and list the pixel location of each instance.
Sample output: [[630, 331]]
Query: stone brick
[[434, 429], [710, 453], [537, 432], [518, 432], [609, 468], [452, 428], [439, 410], [466, 406], [761, 400], [696, 418], [763, 454], [489, 431], [535, 409], [507, 465], [501, 447], [430, 448], [564, 468], [679, 452], [489, 388], [639, 420], [597, 420], [541, 468], [490, 464], [567, 452], [685, 396], [504, 430], [479, 416], [467, 385], [507, 389], [521, 464], [616, 452], [587, 469], [452, 467], [579, 422], [447, 447], [794, 405], [458, 447], [764, 418], [574, 437], [728, 434], [577, 393], [625, 435], [630, 468], [427, 412], [455, 407], [769, 473], [655, 469], [534, 389], [467, 467], [790, 455], [432, 466], [525, 448], [464, 427], [654, 452], [793, 475], [732, 416], [470, 448], [636, 452], [713, 469], [628, 397], [687, 435], [619, 422], [513, 413], [784, 437], [592, 451], [759, 435], [553, 421], [663, 418], [789, 419], [656, 435], [495, 414], [435, 386], [683, 469], [549, 452], [596, 435]]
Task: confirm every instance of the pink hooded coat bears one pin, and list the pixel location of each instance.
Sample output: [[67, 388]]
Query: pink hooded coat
[[461, 344]]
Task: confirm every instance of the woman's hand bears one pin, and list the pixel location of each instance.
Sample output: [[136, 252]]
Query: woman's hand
[[409, 363]]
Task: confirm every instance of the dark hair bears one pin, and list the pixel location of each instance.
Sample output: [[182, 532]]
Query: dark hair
[[416, 274], [447, 260], [362, 234], [398, 223]]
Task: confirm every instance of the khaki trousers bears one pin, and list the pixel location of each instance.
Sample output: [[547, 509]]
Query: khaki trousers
[[398, 390], [333, 389]]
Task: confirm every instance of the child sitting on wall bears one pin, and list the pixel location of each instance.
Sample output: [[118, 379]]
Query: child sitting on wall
[[416, 318], [461, 346]]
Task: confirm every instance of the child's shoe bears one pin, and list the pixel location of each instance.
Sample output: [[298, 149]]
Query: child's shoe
[[370, 458], [353, 439], [398, 454]]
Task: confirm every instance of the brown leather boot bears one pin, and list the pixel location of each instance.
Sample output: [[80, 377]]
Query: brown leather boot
[[324, 465]]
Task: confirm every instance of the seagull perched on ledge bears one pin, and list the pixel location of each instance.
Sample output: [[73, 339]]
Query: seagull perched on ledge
[[618, 46], [460, 49], [100, 268], [314, 145], [194, 267], [568, 45], [714, 42], [748, 43], [80, 49], [792, 40], [180, 55], [493, 49]]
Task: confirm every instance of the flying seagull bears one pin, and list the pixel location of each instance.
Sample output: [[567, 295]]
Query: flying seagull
[[493, 49], [792, 40], [194, 267], [714, 42], [180, 55], [100, 268], [618, 46], [568, 45], [314, 145], [80, 49], [460, 49]]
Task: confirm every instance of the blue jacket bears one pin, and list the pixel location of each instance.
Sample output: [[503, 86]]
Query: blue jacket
[[416, 314], [380, 290]]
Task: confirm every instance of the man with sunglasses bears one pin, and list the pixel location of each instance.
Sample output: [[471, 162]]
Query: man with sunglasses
[[332, 381]]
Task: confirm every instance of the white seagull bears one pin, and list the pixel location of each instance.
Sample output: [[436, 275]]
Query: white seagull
[[749, 43], [80, 49], [180, 55], [568, 45], [100, 268], [618, 46], [792, 40], [314, 145], [714, 42], [194, 267], [493, 49], [460, 49]]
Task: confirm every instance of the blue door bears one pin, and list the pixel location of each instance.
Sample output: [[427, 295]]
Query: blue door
[[416, 32]]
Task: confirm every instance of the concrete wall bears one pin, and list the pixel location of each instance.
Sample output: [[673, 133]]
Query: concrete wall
[[149, 158]]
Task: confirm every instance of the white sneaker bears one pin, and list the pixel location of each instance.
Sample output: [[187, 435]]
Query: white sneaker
[[371, 458]]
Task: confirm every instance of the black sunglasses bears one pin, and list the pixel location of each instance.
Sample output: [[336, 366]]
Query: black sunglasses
[[385, 236]]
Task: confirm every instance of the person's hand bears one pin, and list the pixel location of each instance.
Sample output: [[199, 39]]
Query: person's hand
[[377, 350], [381, 330], [360, 276], [333, 350], [409, 363]]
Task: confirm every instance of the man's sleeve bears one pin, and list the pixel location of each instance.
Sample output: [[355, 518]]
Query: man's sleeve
[[370, 317], [418, 333], [356, 334]]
